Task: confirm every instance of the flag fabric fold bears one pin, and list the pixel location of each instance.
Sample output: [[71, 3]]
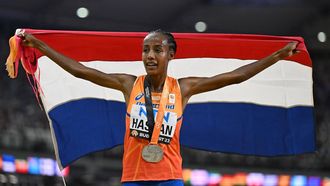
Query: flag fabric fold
[[270, 114]]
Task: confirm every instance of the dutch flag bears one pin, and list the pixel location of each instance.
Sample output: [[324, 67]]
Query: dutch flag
[[270, 114]]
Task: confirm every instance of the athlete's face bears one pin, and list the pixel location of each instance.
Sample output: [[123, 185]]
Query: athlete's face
[[156, 54]]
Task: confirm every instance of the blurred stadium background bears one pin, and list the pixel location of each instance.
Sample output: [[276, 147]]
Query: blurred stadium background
[[26, 151]]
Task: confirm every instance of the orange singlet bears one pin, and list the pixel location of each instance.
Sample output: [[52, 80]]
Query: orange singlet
[[136, 136]]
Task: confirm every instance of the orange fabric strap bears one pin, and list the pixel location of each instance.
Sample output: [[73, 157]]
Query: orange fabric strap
[[160, 113]]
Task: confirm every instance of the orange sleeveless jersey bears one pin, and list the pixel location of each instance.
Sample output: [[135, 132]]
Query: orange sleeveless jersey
[[170, 167]]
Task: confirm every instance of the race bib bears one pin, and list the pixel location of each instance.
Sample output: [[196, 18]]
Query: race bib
[[140, 129]]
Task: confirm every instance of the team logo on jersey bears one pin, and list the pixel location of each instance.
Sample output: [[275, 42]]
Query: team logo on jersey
[[171, 98]]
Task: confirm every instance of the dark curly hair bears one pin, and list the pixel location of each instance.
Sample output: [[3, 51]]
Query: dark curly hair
[[170, 38]]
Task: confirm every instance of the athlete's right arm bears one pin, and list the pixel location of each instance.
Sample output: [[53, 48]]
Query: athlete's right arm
[[121, 82]]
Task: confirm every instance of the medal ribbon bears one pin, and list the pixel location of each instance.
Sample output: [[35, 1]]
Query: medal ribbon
[[155, 126]]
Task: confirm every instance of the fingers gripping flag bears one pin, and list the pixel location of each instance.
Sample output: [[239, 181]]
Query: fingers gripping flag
[[270, 114]]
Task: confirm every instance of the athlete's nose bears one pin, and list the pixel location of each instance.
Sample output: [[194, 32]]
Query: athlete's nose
[[151, 55]]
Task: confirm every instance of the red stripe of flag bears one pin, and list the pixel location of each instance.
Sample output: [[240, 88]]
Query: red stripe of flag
[[127, 46]]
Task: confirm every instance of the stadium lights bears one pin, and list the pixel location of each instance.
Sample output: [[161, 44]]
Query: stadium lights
[[200, 26], [82, 12], [322, 37]]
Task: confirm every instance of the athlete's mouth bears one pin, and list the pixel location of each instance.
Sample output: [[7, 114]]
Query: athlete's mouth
[[151, 64]]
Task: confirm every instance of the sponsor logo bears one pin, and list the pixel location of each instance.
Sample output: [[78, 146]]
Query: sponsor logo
[[134, 133], [139, 96], [156, 106]]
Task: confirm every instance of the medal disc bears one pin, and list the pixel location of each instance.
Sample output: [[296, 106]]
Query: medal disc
[[152, 153]]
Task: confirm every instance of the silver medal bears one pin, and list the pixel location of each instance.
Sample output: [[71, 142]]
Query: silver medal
[[152, 153]]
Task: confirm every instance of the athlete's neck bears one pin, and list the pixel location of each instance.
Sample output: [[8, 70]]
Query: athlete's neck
[[157, 82]]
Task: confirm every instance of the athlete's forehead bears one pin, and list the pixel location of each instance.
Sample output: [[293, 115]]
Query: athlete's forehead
[[155, 39]]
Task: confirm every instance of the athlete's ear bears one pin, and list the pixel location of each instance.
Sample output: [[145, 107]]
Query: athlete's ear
[[172, 54]]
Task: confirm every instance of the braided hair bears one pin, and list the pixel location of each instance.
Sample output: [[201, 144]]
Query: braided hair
[[170, 38]]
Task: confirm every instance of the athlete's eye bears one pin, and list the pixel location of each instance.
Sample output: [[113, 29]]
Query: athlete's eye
[[145, 50], [158, 50]]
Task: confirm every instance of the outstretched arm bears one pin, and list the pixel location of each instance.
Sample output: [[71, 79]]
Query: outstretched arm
[[122, 82], [195, 85]]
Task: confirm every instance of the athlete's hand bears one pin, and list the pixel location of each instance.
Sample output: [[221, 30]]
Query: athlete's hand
[[28, 40], [287, 51]]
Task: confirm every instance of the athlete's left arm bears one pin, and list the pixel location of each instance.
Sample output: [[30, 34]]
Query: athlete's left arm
[[195, 85]]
